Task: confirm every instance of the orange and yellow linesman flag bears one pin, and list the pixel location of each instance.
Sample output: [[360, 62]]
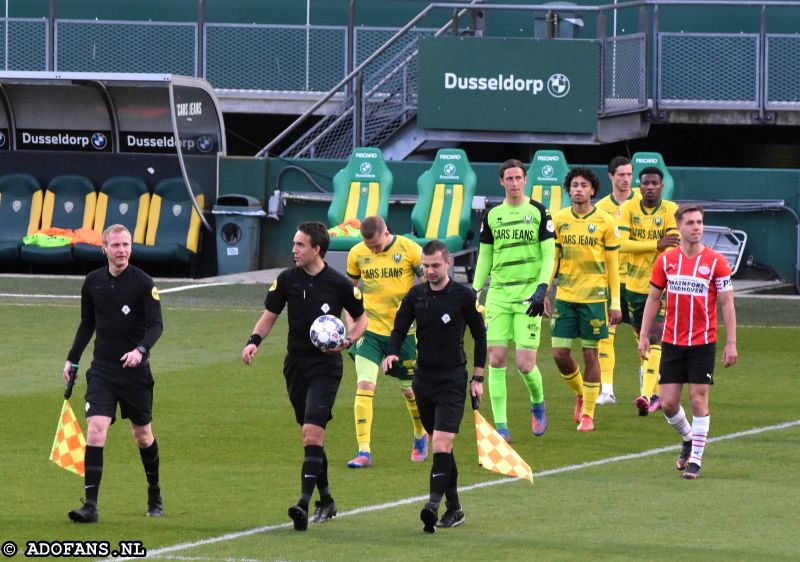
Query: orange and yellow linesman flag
[[69, 446], [496, 455]]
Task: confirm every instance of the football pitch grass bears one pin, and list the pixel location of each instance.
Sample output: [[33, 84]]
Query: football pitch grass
[[230, 452]]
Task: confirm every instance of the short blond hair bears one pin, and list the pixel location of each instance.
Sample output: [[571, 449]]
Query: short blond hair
[[114, 228]]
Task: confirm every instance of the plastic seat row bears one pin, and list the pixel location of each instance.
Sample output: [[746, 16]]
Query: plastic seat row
[[443, 205], [164, 226]]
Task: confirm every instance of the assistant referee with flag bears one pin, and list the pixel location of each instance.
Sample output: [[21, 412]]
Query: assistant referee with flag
[[442, 308], [120, 306]]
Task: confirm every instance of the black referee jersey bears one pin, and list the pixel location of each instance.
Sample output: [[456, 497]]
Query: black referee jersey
[[123, 312], [308, 298], [442, 317]]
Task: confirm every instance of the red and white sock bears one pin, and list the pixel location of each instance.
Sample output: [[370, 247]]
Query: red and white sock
[[680, 424], [699, 435]]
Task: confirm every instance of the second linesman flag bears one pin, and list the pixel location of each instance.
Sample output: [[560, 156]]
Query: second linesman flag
[[69, 446], [495, 454]]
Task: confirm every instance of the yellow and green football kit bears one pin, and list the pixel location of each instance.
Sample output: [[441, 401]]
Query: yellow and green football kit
[[385, 278], [640, 229], [587, 248], [605, 348]]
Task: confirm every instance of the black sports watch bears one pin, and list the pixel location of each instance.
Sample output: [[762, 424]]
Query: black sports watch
[[143, 350]]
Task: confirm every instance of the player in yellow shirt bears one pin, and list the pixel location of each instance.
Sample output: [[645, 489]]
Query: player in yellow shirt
[[647, 227], [587, 246], [620, 172], [385, 264]]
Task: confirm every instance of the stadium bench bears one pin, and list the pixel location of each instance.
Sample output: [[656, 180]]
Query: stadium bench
[[20, 212], [122, 200], [545, 182], [69, 203], [361, 189], [173, 225]]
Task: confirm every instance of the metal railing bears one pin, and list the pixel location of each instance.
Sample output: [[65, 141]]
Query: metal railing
[[754, 70], [373, 112]]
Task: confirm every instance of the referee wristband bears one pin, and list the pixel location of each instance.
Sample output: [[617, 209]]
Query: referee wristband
[[254, 339], [478, 378]]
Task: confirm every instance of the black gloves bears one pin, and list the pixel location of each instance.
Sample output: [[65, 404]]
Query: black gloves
[[536, 300]]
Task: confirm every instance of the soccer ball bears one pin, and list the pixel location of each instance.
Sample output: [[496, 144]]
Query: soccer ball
[[326, 332]]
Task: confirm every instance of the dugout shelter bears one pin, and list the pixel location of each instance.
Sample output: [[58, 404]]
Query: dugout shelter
[[100, 126]]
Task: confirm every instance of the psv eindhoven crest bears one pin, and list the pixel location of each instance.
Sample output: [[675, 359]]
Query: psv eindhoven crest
[[68, 206], [123, 208], [16, 205], [176, 209]]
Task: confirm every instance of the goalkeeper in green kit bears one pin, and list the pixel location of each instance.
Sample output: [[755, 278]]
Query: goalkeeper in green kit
[[517, 249]]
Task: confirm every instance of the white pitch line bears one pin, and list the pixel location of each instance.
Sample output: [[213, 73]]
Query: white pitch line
[[195, 286], [205, 558], [486, 484], [161, 291], [24, 296]]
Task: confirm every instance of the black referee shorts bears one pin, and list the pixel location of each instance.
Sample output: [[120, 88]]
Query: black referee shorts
[[440, 398], [312, 382], [131, 388], [681, 364]]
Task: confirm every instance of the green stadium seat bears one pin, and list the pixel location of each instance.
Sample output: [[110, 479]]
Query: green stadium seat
[[361, 189], [173, 225], [642, 160], [546, 180], [122, 200], [444, 202], [69, 203], [20, 212]]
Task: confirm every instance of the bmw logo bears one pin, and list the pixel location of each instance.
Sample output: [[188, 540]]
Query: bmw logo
[[558, 85], [99, 141], [449, 169], [205, 144], [2, 139], [365, 167], [547, 170]]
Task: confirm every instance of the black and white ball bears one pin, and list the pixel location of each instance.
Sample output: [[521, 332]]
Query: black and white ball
[[327, 332]]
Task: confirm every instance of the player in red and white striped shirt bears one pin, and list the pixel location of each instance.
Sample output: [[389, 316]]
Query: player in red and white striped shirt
[[695, 278]]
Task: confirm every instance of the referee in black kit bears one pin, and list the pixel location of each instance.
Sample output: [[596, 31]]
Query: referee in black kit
[[442, 309], [312, 377], [120, 305]]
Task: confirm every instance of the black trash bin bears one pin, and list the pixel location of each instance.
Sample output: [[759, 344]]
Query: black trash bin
[[238, 231]]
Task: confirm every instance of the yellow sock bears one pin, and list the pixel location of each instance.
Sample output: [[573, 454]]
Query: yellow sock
[[590, 392], [605, 351], [575, 381], [411, 404], [651, 366], [363, 413]]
